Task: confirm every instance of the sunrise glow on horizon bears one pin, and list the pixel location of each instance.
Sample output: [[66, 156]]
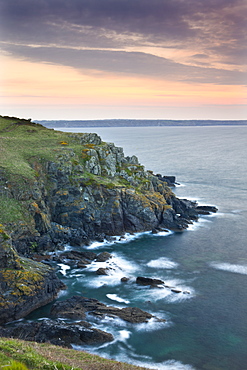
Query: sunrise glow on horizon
[[166, 60]]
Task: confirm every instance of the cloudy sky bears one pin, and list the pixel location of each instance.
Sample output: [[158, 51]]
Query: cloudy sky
[[93, 59]]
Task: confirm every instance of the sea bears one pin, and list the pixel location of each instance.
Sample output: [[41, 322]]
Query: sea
[[205, 325]]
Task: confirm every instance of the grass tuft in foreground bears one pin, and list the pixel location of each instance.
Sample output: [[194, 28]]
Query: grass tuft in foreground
[[20, 355]]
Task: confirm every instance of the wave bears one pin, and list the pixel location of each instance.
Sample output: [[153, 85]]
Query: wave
[[128, 355], [115, 297], [63, 268], [162, 263], [166, 293], [202, 222], [162, 233], [120, 239], [126, 238], [238, 269], [116, 268]]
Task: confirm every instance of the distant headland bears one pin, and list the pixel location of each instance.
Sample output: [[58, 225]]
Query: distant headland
[[138, 123]]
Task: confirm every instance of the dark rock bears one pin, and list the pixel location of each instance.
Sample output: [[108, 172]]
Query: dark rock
[[206, 210], [102, 271], [56, 332], [77, 306], [148, 281], [155, 231], [79, 255], [170, 180], [24, 284], [124, 279], [82, 264], [134, 315], [103, 257], [176, 290]]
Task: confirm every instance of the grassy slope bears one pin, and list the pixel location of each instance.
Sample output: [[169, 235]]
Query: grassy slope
[[21, 141], [37, 356]]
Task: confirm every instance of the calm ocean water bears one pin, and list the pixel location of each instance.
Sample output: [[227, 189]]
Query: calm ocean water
[[206, 329]]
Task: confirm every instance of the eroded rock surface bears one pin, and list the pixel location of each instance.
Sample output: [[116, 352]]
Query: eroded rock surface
[[76, 307], [56, 332]]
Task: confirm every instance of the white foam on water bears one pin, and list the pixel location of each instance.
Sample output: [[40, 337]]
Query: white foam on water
[[128, 237], [124, 334], [147, 294], [162, 263], [117, 267], [115, 297], [67, 248], [202, 222], [127, 355], [63, 268], [63, 293], [97, 245], [146, 361], [238, 269], [167, 365], [153, 324], [163, 233], [118, 239], [179, 185]]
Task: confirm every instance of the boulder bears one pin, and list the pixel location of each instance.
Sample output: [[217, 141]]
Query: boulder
[[103, 257], [102, 271], [124, 279], [149, 281], [176, 290]]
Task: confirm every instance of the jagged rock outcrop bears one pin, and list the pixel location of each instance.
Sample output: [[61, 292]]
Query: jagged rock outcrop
[[76, 307], [91, 191], [24, 284]]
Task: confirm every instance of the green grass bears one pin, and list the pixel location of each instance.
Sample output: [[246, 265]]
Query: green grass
[[22, 143], [11, 210], [44, 356]]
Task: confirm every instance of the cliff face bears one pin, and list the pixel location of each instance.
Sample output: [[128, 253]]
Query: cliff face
[[90, 195], [24, 284], [58, 188]]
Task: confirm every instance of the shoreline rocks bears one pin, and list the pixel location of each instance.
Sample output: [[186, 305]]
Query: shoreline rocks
[[77, 307], [56, 332], [24, 284]]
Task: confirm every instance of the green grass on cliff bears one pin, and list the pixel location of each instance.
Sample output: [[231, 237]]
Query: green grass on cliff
[[44, 356], [24, 146], [21, 142]]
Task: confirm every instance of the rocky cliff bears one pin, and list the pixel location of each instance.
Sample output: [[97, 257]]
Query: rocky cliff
[[24, 284], [59, 188]]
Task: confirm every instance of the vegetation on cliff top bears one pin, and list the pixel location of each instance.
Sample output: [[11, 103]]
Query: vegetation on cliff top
[[26, 146], [37, 356]]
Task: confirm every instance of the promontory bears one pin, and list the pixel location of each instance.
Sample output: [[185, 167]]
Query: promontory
[[59, 189]]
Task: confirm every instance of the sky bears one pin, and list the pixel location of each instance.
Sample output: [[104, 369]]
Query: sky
[[136, 59]]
